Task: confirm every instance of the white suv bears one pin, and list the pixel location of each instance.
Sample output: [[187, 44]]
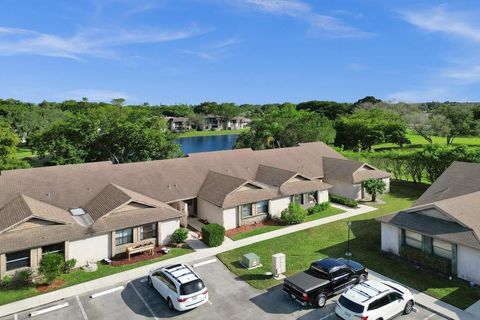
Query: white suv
[[180, 286], [374, 300]]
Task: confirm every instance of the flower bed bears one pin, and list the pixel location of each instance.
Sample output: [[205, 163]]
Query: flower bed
[[250, 227], [122, 259]]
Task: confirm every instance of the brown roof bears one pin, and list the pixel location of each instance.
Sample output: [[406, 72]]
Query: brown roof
[[296, 187], [434, 227], [459, 179], [350, 171], [248, 196], [23, 208], [217, 186], [273, 176]]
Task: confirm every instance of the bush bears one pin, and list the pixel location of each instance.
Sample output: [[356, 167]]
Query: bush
[[318, 208], [19, 279], [294, 214], [180, 235], [428, 260], [345, 201], [69, 265], [6, 281], [213, 234], [51, 266]]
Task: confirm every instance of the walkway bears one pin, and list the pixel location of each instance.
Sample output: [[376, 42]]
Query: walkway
[[200, 253]]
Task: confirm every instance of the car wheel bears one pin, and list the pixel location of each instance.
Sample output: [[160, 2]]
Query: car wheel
[[170, 304], [362, 278], [150, 283], [408, 307], [321, 300]]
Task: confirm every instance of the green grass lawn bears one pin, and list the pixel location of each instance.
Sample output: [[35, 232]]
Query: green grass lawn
[[23, 153], [79, 276], [303, 247], [195, 133], [417, 140], [327, 213]]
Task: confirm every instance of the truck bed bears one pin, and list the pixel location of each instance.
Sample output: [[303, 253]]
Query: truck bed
[[305, 281]]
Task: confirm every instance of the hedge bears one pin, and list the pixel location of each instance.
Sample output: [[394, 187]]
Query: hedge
[[180, 235], [213, 234], [345, 201], [318, 208], [429, 260], [294, 214]]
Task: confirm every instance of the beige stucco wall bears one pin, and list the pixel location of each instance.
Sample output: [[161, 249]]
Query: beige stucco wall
[[167, 228], [90, 249], [230, 218], [209, 212], [468, 261], [3, 265], [322, 196], [277, 206], [343, 189], [391, 237]]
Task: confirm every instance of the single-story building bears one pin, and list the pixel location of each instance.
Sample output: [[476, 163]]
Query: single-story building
[[97, 210], [444, 223]]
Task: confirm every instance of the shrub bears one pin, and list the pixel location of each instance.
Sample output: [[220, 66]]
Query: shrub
[[51, 266], [213, 234], [418, 256], [318, 208], [180, 235], [69, 265], [6, 281], [294, 214], [345, 201]]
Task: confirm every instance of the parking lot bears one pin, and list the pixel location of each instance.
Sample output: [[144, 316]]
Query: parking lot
[[229, 299]]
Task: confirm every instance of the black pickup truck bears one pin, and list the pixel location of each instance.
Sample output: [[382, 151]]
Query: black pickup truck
[[324, 279]]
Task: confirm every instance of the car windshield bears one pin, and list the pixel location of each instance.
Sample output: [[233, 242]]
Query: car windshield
[[191, 287], [350, 305]]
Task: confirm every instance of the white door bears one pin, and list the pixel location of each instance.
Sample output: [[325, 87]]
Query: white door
[[397, 304]]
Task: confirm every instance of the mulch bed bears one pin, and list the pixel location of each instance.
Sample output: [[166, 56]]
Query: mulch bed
[[55, 285], [250, 227], [122, 259]]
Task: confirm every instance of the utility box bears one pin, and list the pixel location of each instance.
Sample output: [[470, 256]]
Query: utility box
[[278, 265], [250, 261]]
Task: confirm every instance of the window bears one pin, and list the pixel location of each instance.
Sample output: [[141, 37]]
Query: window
[[350, 305], [17, 260], [442, 249], [312, 197], [54, 248], [148, 231], [192, 287], [379, 303], [394, 296], [413, 239], [246, 210], [297, 198], [123, 236], [262, 207]]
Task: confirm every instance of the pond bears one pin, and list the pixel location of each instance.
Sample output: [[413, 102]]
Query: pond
[[207, 143]]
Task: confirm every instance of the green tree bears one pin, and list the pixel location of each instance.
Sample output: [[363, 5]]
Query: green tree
[[227, 111], [458, 121], [285, 127], [374, 187], [330, 109], [8, 149], [118, 102], [367, 127], [51, 266]]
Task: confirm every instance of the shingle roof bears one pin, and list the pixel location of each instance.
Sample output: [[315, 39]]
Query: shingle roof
[[23, 208], [460, 178], [296, 187], [248, 196], [350, 171], [436, 228], [273, 176], [217, 186]]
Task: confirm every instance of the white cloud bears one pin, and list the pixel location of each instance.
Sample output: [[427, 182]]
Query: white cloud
[[428, 94], [471, 74], [86, 42], [214, 51], [97, 95], [328, 25], [440, 19]]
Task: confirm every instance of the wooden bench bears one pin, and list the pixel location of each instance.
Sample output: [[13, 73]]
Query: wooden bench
[[141, 248]]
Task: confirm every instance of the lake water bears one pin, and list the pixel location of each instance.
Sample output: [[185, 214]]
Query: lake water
[[207, 143]]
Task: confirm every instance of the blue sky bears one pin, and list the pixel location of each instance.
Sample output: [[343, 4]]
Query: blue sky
[[243, 51]]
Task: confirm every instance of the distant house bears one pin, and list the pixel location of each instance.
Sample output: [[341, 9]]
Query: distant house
[[444, 222], [97, 210], [239, 122], [178, 124], [214, 122]]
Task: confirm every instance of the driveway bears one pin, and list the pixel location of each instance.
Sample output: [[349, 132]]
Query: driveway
[[230, 299]]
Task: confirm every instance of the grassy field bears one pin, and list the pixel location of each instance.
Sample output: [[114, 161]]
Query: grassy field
[[23, 153], [194, 133], [79, 276], [417, 140], [327, 213], [331, 240]]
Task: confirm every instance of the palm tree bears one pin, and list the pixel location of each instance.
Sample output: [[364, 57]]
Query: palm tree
[[374, 187]]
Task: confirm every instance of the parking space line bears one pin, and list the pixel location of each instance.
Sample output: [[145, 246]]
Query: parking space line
[[84, 314], [49, 309], [327, 316], [143, 280], [204, 263], [99, 294], [430, 316], [15, 316], [144, 302]]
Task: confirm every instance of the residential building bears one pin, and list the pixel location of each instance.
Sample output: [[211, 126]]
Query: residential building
[[97, 210], [444, 222], [178, 124]]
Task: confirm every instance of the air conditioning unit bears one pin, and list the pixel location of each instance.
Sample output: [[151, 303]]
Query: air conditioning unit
[[250, 261]]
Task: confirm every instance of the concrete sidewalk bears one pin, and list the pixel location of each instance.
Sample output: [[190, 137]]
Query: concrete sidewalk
[[201, 252], [430, 303]]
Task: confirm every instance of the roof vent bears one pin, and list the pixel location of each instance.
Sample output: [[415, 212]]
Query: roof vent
[[77, 211]]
